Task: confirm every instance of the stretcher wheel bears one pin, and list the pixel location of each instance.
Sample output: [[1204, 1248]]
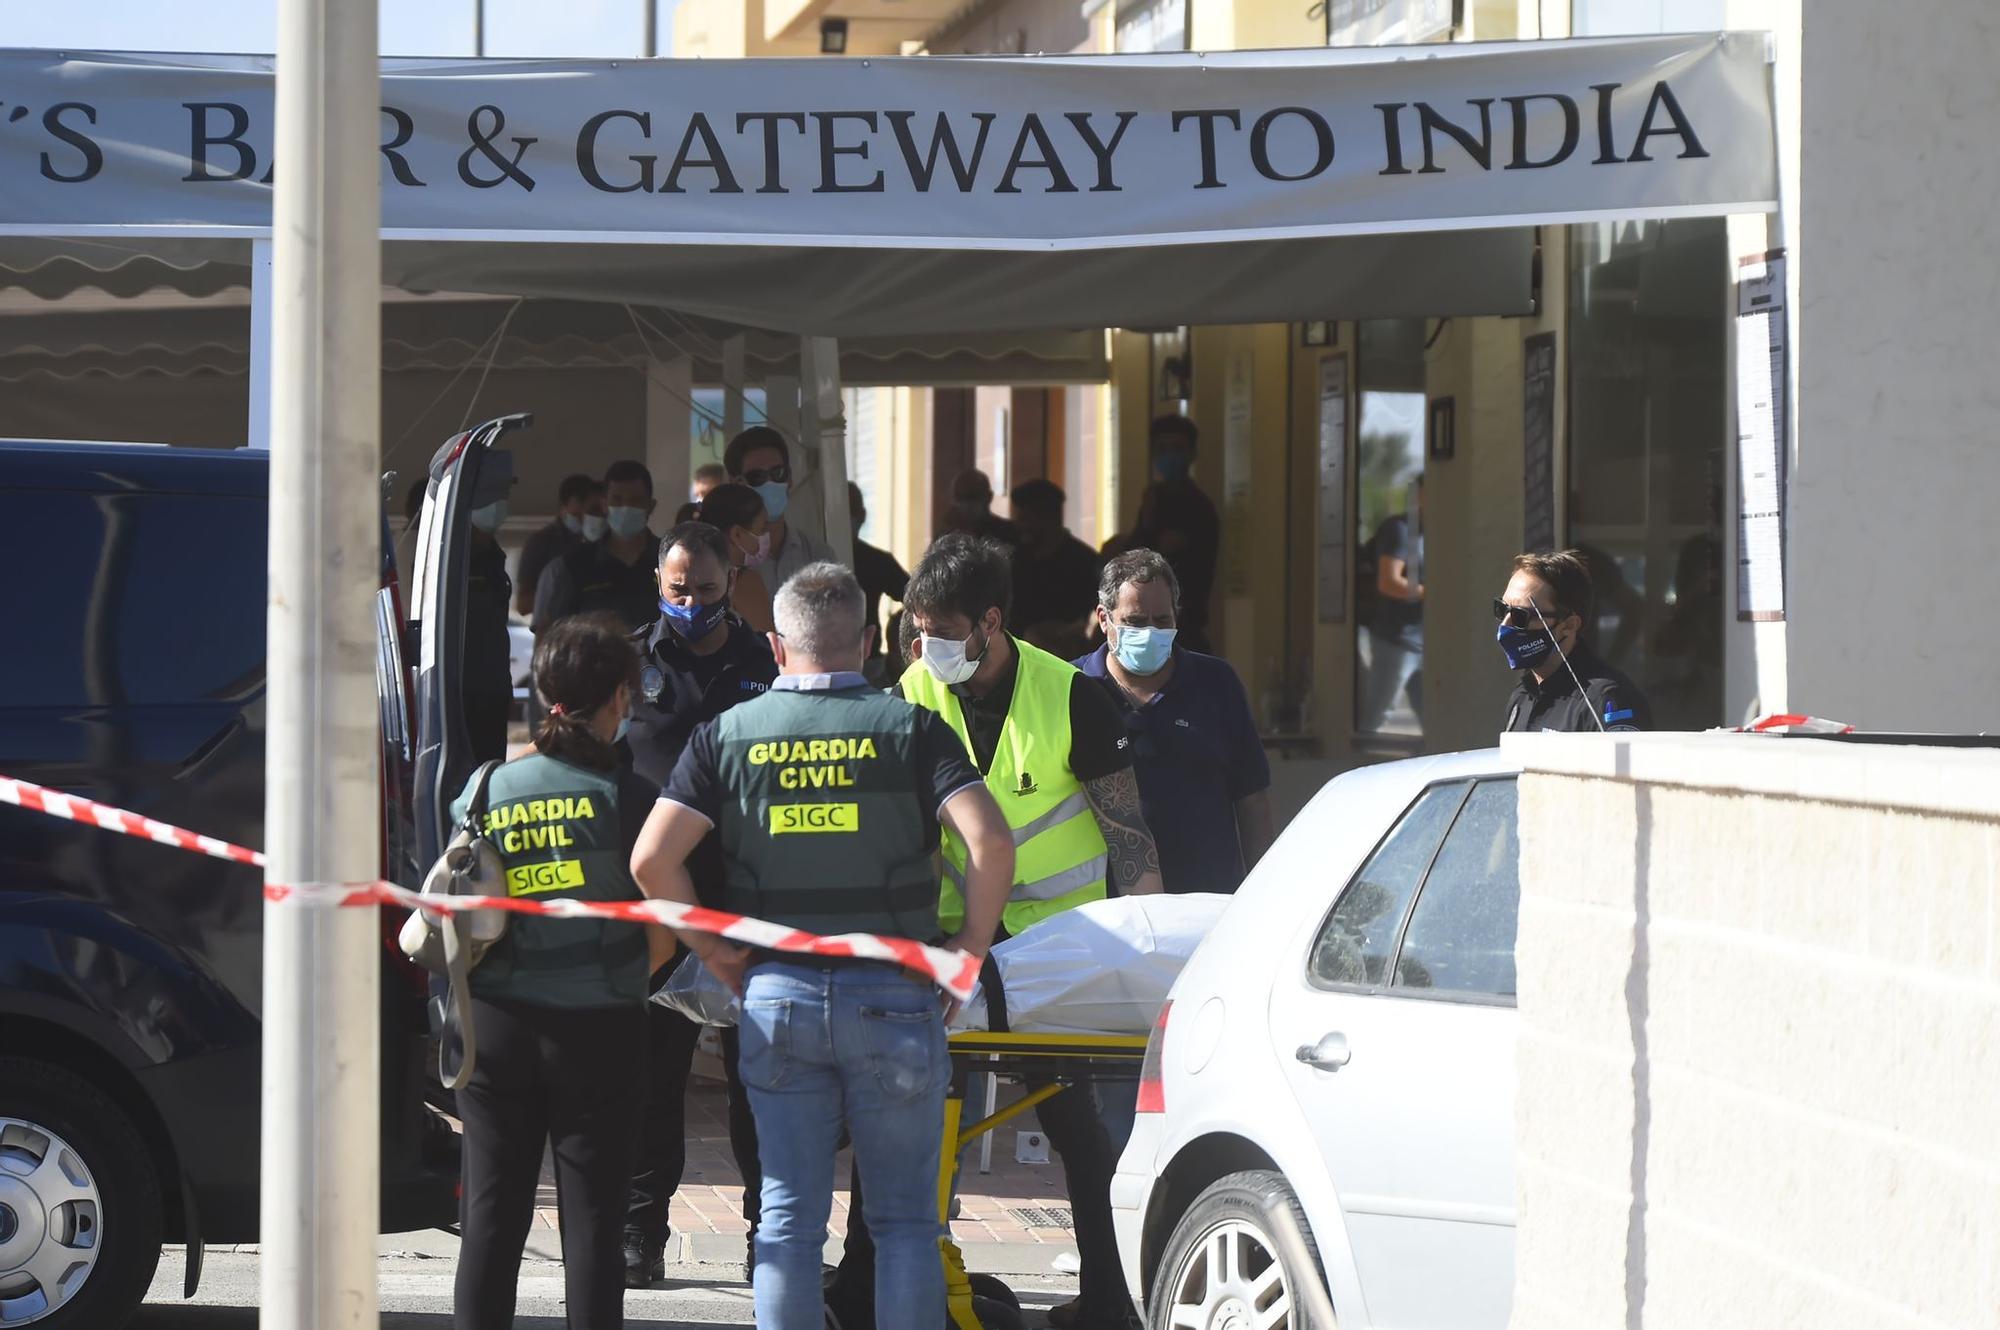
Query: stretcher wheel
[[993, 1289], [994, 1314]]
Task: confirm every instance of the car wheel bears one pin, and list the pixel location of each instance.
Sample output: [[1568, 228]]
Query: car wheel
[[80, 1207], [1239, 1259]]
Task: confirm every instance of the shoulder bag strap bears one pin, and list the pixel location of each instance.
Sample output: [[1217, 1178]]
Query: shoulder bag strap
[[475, 806], [455, 1041]]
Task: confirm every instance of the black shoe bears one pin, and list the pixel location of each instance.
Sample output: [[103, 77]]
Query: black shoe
[[645, 1262]]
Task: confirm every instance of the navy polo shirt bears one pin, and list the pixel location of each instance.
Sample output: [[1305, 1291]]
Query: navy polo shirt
[[1196, 750]]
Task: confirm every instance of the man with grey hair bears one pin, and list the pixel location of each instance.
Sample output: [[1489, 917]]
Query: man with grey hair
[[1204, 781], [827, 795]]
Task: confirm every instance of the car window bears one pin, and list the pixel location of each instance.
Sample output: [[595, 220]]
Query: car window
[[1355, 943], [1461, 933]]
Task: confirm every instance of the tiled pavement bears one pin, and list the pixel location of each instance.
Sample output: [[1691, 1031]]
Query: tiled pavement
[[708, 1208]]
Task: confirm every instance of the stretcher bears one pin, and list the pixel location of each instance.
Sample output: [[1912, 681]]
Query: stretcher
[[1066, 1060]]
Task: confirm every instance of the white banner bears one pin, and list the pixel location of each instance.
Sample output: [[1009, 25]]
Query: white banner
[[983, 153]]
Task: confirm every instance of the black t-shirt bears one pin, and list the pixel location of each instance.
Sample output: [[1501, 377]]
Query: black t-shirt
[[1057, 586], [550, 543], [880, 575], [943, 769], [1397, 539], [597, 581], [1181, 524], [1098, 744]]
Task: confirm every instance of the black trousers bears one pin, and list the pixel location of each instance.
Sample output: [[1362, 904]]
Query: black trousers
[[662, 1155], [568, 1078]]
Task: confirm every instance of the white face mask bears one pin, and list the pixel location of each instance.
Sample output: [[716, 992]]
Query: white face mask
[[594, 526], [573, 522], [945, 658], [489, 517]]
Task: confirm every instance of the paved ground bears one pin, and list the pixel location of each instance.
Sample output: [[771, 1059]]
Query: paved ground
[[415, 1294], [1006, 1226]]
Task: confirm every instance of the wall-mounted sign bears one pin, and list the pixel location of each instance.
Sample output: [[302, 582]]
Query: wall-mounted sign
[[1760, 437], [1443, 431], [1538, 442], [1332, 536], [1236, 470]]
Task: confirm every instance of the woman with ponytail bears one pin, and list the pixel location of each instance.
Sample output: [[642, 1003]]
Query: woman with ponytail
[[560, 1003], [738, 513]]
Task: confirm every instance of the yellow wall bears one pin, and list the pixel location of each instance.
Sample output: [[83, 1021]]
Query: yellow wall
[[1246, 372], [1245, 25]]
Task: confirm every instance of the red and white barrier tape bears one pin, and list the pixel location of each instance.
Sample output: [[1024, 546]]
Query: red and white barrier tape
[[1792, 723], [952, 971], [76, 808]]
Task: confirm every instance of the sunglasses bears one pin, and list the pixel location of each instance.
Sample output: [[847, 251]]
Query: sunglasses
[[781, 473], [1524, 616]]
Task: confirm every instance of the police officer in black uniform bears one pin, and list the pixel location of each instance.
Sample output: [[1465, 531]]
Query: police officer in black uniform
[[1564, 684], [488, 687], [697, 660]]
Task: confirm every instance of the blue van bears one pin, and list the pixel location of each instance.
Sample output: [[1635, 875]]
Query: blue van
[[133, 673]]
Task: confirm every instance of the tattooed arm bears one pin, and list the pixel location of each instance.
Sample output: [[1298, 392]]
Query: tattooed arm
[[1134, 866]]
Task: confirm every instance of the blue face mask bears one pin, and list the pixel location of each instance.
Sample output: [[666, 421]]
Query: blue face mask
[[776, 495], [694, 622], [1172, 464], [624, 728], [1523, 646], [1144, 650], [489, 517]]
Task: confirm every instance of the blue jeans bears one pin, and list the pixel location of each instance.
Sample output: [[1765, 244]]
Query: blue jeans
[[861, 1046]]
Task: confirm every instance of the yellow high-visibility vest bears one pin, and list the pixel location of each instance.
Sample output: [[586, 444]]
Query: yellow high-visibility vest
[[1059, 853]]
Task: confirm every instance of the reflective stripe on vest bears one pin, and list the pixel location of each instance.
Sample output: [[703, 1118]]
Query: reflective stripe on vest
[[1060, 857]]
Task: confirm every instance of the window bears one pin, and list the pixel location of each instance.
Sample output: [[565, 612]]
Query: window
[[1355, 943], [1461, 933], [1389, 460], [1152, 25], [1648, 445]]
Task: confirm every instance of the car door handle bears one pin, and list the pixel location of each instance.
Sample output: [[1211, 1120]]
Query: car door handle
[[1329, 1054]]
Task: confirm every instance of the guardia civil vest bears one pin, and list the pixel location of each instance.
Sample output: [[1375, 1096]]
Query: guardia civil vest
[[1059, 853], [821, 827], [557, 828]]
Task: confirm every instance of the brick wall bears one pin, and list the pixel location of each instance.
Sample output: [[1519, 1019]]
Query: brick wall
[[1760, 1035]]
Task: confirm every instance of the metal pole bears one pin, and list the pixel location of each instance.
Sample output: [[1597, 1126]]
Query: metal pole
[[321, 1178], [732, 387], [652, 28], [479, 27]]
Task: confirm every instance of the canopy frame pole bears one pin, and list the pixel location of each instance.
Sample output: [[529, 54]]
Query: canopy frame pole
[[824, 416], [321, 1120], [732, 387]]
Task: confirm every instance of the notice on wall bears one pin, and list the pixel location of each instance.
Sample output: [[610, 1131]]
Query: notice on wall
[[1236, 466], [1538, 443], [1333, 537], [1760, 438]]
